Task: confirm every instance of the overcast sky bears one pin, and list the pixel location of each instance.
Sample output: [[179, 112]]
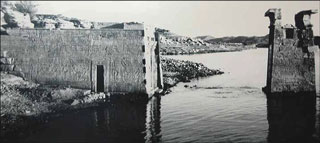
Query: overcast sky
[[189, 18]]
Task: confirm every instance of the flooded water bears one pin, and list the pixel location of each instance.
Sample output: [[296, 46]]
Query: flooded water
[[223, 108]]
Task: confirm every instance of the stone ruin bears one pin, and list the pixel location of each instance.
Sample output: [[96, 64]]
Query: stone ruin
[[116, 61]]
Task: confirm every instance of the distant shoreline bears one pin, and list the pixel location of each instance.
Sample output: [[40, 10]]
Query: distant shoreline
[[191, 50]]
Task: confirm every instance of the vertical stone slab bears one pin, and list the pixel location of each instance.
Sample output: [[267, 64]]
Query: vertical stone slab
[[159, 68], [274, 17], [152, 61]]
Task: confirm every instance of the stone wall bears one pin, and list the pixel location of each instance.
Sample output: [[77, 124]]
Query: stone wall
[[70, 57]]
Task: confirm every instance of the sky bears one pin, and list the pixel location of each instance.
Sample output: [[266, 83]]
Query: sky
[[188, 18]]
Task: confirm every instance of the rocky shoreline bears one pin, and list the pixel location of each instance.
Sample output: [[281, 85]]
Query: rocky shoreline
[[175, 71]]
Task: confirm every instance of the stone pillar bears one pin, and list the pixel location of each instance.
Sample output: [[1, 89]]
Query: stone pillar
[[291, 67], [275, 24], [158, 57]]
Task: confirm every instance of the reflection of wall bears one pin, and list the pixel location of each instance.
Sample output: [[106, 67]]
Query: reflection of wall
[[122, 121], [291, 118], [126, 121], [153, 129], [318, 117]]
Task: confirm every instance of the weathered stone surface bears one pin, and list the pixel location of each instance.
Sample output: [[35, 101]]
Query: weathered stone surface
[[70, 57], [291, 71]]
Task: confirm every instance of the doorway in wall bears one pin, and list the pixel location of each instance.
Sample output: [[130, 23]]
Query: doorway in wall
[[100, 78]]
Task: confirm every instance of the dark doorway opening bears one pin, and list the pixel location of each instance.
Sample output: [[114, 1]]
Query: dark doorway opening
[[289, 33], [100, 78]]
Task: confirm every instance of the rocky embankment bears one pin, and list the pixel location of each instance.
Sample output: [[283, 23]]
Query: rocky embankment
[[175, 71], [188, 50]]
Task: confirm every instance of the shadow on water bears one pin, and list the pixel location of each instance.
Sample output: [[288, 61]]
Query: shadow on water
[[116, 121], [292, 118]]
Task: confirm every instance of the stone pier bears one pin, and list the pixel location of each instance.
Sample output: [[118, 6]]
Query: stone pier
[[293, 56]]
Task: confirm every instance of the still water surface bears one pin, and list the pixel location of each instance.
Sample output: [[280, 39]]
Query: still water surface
[[223, 108]]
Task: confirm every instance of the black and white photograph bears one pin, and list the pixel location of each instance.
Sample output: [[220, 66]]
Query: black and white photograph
[[160, 71]]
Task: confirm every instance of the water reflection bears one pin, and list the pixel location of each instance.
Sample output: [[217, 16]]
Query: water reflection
[[291, 118], [127, 120], [153, 129], [122, 121], [119, 120]]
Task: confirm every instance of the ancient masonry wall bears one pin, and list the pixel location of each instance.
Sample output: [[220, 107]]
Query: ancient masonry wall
[[70, 57]]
